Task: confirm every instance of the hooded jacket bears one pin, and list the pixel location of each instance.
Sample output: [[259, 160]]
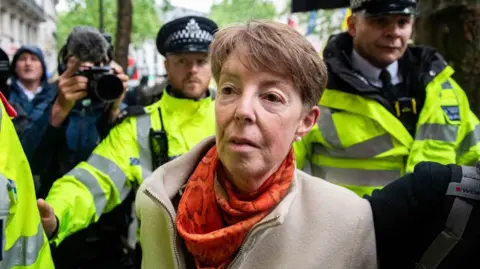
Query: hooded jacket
[[32, 115], [52, 151]]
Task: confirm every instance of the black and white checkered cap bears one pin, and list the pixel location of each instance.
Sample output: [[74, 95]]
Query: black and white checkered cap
[[379, 7], [186, 34]]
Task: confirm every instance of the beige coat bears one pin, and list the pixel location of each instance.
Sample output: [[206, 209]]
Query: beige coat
[[317, 225]]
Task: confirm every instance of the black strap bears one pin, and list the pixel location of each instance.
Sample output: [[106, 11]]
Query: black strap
[[404, 107], [161, 119], [464, 189]]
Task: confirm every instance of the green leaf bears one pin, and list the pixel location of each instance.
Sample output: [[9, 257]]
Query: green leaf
[[146, 22], [234, 11]]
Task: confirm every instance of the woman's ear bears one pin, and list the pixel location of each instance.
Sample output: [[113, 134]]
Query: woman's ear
[[308, 121]]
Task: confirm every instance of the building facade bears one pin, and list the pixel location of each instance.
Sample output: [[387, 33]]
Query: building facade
[[29, 22]]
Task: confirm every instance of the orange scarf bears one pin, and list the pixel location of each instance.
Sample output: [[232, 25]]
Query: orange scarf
[[214, 223]]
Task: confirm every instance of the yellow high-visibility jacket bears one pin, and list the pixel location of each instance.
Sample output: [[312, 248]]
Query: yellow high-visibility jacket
[[123, 160], [24, 243], [360, 144]]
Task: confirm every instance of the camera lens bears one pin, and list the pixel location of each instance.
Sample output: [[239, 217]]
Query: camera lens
[[109, 88]]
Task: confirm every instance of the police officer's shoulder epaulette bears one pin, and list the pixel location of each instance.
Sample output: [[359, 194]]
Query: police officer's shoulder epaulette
[[130, 111]]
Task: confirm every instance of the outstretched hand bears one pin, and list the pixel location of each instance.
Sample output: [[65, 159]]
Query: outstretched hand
[[47, 215]]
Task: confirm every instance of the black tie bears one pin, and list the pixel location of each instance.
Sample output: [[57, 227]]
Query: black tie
[[387, 91], [386, 79]]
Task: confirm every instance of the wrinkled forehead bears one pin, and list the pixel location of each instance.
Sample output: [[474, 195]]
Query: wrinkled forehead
[[241, 64]]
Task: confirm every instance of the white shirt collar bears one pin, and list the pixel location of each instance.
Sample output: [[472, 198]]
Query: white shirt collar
[[30, 94], [372, 73]]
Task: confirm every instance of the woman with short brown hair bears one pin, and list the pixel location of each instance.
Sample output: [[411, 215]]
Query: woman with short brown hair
[[236, 200]]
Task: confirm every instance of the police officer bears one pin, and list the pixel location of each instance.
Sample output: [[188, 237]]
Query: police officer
[[388, 105], [145, 138], [24, 243]]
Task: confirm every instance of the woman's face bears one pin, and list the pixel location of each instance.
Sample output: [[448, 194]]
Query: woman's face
[[258, 116]]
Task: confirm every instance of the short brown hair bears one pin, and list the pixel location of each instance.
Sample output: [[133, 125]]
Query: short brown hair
[[276, 48]]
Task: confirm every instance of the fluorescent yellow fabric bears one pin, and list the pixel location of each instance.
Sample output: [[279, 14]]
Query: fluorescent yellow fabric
[[25, 245], [348, 13], [359, 144], [123, 160]]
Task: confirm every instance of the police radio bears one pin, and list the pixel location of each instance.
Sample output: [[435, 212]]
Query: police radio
[[159, 144]]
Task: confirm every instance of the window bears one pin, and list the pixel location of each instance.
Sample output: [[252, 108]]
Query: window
[[4, 22], [21, 36], [13, 27], [3, 14], [28, 34]]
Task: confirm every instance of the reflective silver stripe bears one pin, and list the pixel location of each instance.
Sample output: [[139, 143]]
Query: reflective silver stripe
[[358, 177], [4, 210], [327, 127], [435, 131], [24, 251], [367, 149], [93, 186], [469, 140], [456, 223], [143, 140], [111, 169]]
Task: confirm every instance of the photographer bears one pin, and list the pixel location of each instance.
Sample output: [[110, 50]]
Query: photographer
[[90, 92], [73, 88], [145, 139], [76, 120]]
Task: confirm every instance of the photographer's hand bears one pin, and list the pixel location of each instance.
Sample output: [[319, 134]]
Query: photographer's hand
[[115, 110], [70, 89]]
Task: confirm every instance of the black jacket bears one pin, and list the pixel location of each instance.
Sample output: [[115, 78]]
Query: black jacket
[[419, 65], [409, 214]]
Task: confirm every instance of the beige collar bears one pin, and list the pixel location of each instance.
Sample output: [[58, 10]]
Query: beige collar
[[166, 182]]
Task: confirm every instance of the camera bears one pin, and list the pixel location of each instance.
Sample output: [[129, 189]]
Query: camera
[[103, 85], [88, 45], [4, 70]]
